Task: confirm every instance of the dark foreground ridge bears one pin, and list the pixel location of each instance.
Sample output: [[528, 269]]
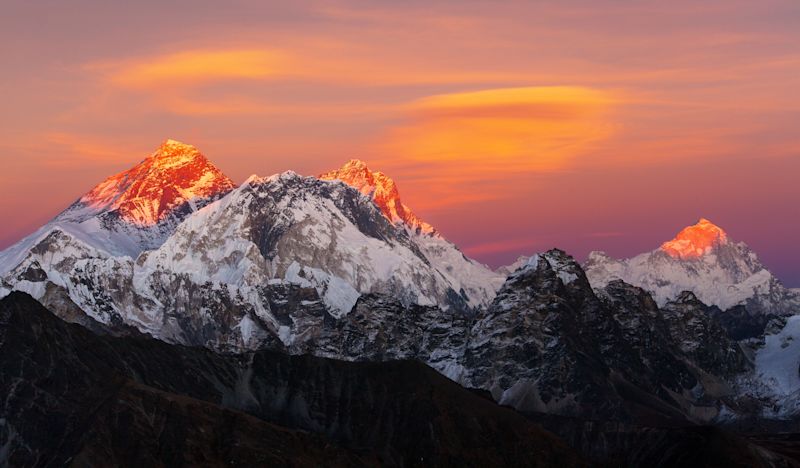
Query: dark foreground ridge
[[79, 399], [75, 398]]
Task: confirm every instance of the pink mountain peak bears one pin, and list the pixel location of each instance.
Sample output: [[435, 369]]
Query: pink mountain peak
[[383, 191], [175, 174], [695, 241]]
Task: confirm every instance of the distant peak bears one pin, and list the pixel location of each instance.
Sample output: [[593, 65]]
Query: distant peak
[[383, 191], [696, 241]]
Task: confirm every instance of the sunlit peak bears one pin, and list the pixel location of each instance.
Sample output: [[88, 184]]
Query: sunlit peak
[[173, 175], [383, 191], [171, 145], [355, 163], [174, 152], [171, 142], [695, 241]]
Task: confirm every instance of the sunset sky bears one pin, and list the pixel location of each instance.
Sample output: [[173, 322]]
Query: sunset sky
[[512, 128]]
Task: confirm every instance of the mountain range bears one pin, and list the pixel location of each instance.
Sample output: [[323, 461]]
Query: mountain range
[[695, 333]]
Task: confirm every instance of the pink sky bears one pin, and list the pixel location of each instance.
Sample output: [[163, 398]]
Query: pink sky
[[587, 125]]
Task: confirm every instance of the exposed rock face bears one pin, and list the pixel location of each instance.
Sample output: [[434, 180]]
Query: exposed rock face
[[527, 347], [548, 343], [703, 339], [742, 324], [72, 397], [380, 329]]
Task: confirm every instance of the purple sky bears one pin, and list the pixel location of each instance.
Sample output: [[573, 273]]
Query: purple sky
[[514, 127]]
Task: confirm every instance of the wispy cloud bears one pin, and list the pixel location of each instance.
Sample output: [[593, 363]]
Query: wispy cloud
[[186, 81], [462, 145], [194, 66], [530, 128]]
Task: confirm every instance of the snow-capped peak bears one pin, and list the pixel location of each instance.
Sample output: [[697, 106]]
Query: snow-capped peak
[[695, 241], [704, 260], [563, 264], [173, 175], [174, 153], [383, 191]]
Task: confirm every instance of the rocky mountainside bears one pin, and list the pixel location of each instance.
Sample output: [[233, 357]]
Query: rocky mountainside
[[72, 397], [305, 231], [704, 260], [733, 367], [549, 343]]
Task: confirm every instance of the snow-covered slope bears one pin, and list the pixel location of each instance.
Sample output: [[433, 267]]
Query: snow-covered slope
[[306, 231], [137, 209], [264, 263], [774, 383], [478, 283], [508, 270], [704, 260]]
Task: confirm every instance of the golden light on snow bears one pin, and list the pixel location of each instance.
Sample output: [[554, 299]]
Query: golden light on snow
[[695, 241], [383, 191]]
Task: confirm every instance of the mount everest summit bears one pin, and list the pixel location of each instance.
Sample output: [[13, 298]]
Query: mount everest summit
[[337, 266], [137, 209]]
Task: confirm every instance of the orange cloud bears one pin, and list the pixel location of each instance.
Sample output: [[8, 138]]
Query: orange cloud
[[531, 128], [196, 66], [345, 63], [180, 81], [468, 147]]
